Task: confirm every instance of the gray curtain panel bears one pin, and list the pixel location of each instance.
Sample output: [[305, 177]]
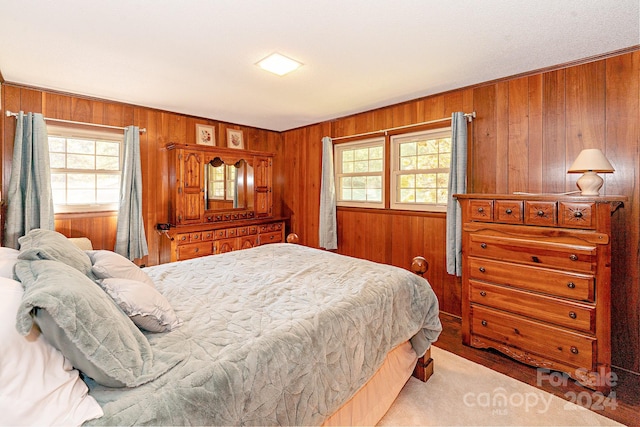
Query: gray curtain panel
[[29, 198], [328, 224], [457, 185], [131, 241]]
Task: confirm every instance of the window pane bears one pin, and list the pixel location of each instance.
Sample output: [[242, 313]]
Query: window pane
[[107, 163], [407, 163], [374, 195], [57, 144], [347, 167], [77, 161], [443, 180], [108, 196], [407, 196], [359, 181], [359, 195], [375, 165], [361, 166], [347, 155], [108, 181], [361, 154], [56, 160], [80, 180], [426, 180], [443, 196], [444, 160], [58, 181], [375, 152], [81, 146], [408, 149], [374, 182], [81, 197], [407, 181], [108, 148]]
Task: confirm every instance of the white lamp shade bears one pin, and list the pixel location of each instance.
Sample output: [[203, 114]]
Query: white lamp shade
[[591, 159]]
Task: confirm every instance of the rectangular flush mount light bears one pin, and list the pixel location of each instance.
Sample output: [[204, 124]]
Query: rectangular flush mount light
[[278, 64]]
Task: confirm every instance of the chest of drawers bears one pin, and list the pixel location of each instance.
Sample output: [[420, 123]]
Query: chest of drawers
[[536, 281]]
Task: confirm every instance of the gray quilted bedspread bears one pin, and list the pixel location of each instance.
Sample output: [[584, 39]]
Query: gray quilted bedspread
[[280, 334]]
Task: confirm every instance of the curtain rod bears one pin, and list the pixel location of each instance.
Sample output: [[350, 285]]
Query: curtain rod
[[468, 116], [143, 130]]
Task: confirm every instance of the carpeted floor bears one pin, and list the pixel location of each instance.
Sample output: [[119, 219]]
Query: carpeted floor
[[463, 393]]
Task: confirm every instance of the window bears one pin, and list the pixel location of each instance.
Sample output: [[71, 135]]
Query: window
[[85, 169], [420, 170], [222, 182], [360, 173]]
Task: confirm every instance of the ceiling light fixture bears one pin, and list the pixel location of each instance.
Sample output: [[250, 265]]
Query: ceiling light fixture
[[278, 64]]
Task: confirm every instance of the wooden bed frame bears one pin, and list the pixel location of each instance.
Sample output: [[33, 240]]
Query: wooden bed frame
[[419, 265]]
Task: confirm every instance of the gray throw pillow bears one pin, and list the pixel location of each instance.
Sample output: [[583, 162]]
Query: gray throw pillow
[[86, 325], [51, 245]]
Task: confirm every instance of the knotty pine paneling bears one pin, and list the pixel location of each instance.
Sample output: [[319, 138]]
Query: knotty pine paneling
[[162, 127], [528, 131]]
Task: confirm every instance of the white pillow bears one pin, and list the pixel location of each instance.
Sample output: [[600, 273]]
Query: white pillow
[[38, 385], [146, 307], [108, 264], [8, 258]]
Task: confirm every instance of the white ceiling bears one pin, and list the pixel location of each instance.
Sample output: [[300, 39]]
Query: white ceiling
[[197, 56]]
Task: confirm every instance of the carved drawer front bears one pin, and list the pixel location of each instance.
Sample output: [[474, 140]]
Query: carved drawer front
[[545, 340], [272, 237], [195, 237], [232, 232], [193, 250], [208, 235], [553, 310], [246, 242], [576, 215], [270, 227], [225, 245], [563, 284], [253, 229], [182, 238], [535, 252], [508, 211], [242, 231], [481, 210], [540, 213], [220, 234]]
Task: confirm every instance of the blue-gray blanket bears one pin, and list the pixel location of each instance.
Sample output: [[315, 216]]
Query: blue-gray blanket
[[280, 334]]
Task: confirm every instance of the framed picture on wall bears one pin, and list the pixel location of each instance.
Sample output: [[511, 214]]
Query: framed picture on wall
[[205, 135], [234, 138]]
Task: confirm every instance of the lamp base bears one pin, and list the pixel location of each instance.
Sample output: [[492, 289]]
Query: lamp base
[[590, 184]]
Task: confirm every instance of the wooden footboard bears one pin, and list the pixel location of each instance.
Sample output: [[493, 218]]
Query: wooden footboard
[[424, 367]]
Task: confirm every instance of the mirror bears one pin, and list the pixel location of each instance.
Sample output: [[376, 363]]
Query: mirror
[[226, 185]]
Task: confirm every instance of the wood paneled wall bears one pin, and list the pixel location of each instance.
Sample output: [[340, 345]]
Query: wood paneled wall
[[527, 133], [162, 127]]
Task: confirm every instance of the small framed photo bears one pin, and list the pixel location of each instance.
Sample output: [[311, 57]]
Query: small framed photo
[[205, 135], [234, 138]]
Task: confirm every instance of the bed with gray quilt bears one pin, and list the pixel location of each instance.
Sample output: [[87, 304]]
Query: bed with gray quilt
[[280, 334]]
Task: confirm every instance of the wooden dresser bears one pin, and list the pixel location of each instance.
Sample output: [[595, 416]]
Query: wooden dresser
[[536, 280], [220, 200]]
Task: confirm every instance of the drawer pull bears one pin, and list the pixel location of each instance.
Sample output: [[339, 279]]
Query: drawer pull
[[540, 212], [484, 323], [571, 285], [183, 238], [573, 314], [481, 269], [573, 257], [508, 211], [483, 245], [574, 350], [272, 237], [197, 250], [483, 294], [577, 214], [480, 210]]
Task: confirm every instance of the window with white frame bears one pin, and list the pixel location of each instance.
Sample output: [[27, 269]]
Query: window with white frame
[[420, 165], [85, 169], [360, 173]]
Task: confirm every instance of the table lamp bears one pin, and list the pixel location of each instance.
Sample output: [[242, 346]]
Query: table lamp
[[590, 161]]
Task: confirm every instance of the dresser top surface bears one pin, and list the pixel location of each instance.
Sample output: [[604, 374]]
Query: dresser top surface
[[544, 197]]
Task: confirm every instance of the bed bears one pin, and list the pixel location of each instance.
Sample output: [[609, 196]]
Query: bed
[[280, 334]]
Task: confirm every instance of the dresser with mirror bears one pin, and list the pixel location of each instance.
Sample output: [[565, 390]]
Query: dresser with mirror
[[221, 199]]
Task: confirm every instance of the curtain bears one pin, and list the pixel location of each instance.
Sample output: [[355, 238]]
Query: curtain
[[131, 241], [457, 185], [30, 202], [328, 222]]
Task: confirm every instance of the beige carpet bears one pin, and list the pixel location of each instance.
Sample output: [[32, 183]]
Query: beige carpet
[[463, 393]]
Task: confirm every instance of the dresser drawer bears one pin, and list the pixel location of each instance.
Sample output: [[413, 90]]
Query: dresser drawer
[[275, 226], [193, 250], [207, 235], [558, 283], [182, 238], [272, 237], [540, 213], [553, 310], [195, 237], [220, 234], [576, 215], [535, 252], [548, 341], [481, 210], [508, 211]]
